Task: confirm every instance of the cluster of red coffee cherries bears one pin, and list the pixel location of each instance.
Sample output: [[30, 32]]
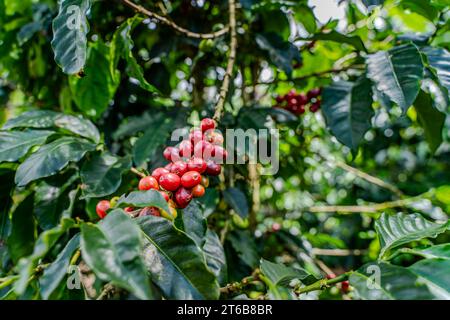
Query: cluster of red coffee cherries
[[297, 102], [185, 176]]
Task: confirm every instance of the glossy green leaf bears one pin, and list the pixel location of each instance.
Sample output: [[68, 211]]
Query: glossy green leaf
[[155, 136], [424, 8], [44, 119], [436, 273], [437, 251], [51, 158], [237, 200], [280, 274], [176, 264], [93, 92], [354, 41], [281, 53], [244, 244], [113, 250], [140, 199], [70, 28], [397, 73], [399, 229], [23, 227], [439, 60], [215, 256], [122, 46], [6, 191], [305, 15], [56, 272], [431, 119], [194, 224], [347, 107], [384, 281], [15, 144], [101, 175]]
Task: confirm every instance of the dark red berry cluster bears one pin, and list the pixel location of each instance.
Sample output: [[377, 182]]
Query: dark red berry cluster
[[185, 176], [297, 102]]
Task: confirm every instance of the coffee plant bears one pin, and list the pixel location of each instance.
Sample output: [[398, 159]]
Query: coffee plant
[[98, 201]]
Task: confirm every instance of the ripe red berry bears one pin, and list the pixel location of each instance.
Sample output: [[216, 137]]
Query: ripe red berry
[[314, 107], [170, 181], [128, 209], [297, 65], [302, 99], [220, 154], [168, 153], [182, 197], [102, 208], [198, 191], [207, 124], [279, 99], [345, 286], [196, 164], [158, 172], [196, 136], [292, 103], [314, 93], [213, 137], [149, 211], [165, 195], [213, 169], [276, 227], [291, 94], [179, 168], [204, 150], [148, 183], [331, 276], [185, 148], [190, 179]]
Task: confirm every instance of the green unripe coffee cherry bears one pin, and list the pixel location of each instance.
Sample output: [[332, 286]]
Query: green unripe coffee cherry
[[113, 201], [239, 222], [206, 45]]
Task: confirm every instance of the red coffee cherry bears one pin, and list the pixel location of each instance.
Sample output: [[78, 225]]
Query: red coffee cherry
[[158, 172], [168, 167], [179, 168], [279, 99], [148, 183], [292, 103], [276, 227], [331, 276], [345, 286], [204, 150], [149, 211], [196, 164], [128, 209], [190, 179], [182, 197], [168, 153], [302, 99], [198, 191], [314, 107], [291, 94], [102, 208], [170, 181], [185, 149], [207, 124], [213, 169], [220, 154], [214, 137], [165, 195], [196, 136]]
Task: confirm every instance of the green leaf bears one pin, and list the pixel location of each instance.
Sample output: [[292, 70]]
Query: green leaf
[[281, 53], [43, 119], [396, 230], [93, 92], [237, 200], [354, 41], [122, 46], [23, 227], [113, 250], [305, 15], [244, 244], [56, 272], [155, 136], [215, 256], [70, 28], [194, 224], [280, 274], [15, 144], [140, 199], [347, 107], [44, 243], [431, 120], [439, 60], [435, 272], [51, 158], [421, 7], [176, 264], [51, 199], [6, 191], [209, 202], [395, 283], [437, 251], [102, 174], [397, 73]]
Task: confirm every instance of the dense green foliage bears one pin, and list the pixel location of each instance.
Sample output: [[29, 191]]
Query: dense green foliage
[[90, 92]]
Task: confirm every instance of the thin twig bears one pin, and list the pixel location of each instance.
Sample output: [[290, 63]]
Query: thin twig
[[338, 252], [230, 65], [321, 284], [173, 25], [137, 172]]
